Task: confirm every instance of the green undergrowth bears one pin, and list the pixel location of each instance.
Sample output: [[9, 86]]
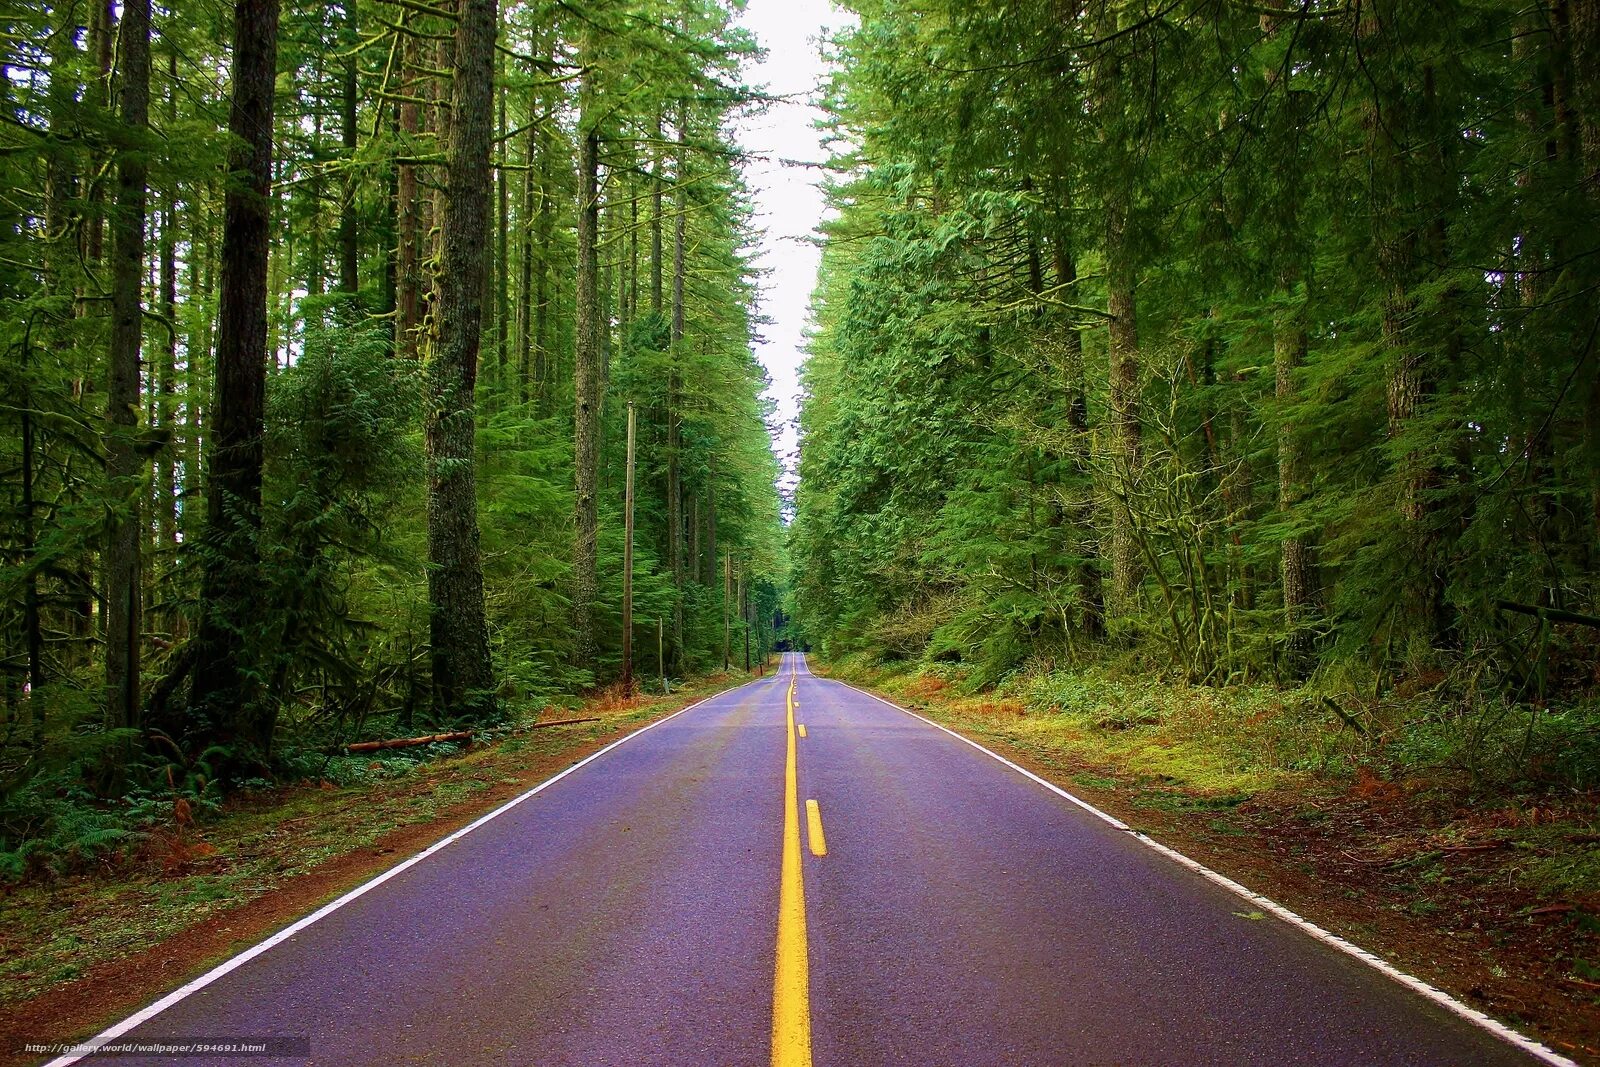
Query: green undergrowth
[[1222, 746], [172, 870], [1244, 739]]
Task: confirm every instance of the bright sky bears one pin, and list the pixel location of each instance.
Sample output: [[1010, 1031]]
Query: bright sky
[[789, 203]]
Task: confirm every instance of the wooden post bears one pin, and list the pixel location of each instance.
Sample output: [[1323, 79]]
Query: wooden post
[[627, 565], [744, 617], [727, 597]]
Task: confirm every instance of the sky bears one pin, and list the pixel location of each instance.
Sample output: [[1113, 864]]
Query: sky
[[789, 203]]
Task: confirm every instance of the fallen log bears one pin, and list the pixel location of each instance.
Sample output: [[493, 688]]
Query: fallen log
[[1550, 614], [408, 742], [563, 722]]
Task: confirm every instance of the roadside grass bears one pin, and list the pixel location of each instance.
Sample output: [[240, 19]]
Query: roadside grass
[[54, 928], [1209, 747]]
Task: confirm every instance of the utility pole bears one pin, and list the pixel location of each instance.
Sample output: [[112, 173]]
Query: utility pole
[[744, 616], [727, 597], [627, 565]]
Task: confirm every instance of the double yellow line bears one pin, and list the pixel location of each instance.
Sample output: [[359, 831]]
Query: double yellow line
[[791, 989]]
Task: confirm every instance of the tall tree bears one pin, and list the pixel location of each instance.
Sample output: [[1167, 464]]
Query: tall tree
[[124, 467], [588, 391], [223, 700], [463, 677]]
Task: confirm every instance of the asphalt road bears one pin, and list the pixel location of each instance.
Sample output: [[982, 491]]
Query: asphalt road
[[959, 914]]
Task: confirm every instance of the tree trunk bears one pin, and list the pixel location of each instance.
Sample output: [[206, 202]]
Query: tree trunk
[[102, 29], [588, 396], [1126, 572], [693, 567], [1121, 283], [502, 272], [349, 245], [711, 523], [1584, 22], [544, 371], [437, 117], [655, 223], [167, 520], [199, 369], [1393, 126], [627, 563], [316, 262], [675, 401], [525, 226], [33, 631], [408, 213], [463, 679], [1089, 581], [1289, 347], [124, 466], [222, 698], [1288, 353], [631, 291]]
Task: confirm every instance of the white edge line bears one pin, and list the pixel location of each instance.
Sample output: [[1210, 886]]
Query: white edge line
[[138, 1018], [1416, 985]]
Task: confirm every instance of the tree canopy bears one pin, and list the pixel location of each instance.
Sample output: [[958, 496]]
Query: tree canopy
[[320, 324], [1249, 341]]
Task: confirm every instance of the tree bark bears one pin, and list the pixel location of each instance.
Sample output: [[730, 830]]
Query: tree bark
[[1289, 346], [222, 697], [1394, 124], [124, 467], [349, 237], [1584, 20], [711, 523], [627, 562], [1288, 353], [655, 223], [502, 271], [408, 213], [544, 371], [1121, 284], [525, 226], [463, 678], [588, 394], [1126, 573], [1089, 579], [1584, 23], [166, 462], [675, 400]]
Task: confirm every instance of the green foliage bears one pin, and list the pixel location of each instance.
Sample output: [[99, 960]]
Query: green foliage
[[54, 817], [1218, 346], [333, 564]]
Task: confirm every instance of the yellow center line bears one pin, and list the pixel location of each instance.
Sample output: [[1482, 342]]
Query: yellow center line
[[791, 988], [819, 844]]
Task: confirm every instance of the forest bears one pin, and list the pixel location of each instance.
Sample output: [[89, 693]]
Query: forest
[[368, 370], [1246, 347]]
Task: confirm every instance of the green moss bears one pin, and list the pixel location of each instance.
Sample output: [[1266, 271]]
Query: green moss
[[1566, 873]]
